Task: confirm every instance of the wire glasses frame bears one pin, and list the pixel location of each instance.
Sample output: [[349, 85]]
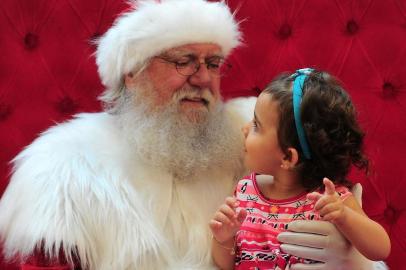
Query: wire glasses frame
[[216, 65]]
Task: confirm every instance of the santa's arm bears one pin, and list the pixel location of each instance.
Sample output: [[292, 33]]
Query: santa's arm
[[64, 195], [321, 241]]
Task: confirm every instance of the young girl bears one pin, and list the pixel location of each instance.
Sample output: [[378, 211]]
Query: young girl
[[304, 133]]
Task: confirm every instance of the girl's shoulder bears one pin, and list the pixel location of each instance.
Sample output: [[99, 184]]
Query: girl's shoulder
[[246, 184]]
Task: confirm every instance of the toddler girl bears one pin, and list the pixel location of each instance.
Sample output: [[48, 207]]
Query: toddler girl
[[305, 134]]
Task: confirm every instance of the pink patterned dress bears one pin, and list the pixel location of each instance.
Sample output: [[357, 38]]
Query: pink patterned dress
[[256, 245]]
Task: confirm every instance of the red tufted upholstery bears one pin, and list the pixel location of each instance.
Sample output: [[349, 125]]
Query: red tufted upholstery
[[48, 73]]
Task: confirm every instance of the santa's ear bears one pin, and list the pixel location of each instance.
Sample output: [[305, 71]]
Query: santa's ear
[[290, 159]]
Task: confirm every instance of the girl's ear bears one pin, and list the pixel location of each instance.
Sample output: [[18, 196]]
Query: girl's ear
[[291, 159], [129, 80]]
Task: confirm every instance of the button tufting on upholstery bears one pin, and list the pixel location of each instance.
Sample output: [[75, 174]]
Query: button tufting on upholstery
[[5, 111], [391, 215], [95, 36], [352, 27], [94, 39], [66, 105], [285, 31], [388, 90], [30, 41], [256, 89]]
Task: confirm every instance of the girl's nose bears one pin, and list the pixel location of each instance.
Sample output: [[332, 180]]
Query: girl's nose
[[245, 129]]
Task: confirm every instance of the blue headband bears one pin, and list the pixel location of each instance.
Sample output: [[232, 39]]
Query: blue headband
[[300, 76]]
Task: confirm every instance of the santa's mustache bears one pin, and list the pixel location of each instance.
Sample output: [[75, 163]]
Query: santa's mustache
[[194, 94]]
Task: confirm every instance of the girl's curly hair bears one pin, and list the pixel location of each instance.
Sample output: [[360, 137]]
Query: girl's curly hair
[[329, 120]]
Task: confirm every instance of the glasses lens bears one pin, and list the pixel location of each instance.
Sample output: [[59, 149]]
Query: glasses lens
[[217, 67], [225, 68], [187, 68]]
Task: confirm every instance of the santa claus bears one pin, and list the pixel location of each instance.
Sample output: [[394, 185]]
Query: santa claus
[[135, 186]]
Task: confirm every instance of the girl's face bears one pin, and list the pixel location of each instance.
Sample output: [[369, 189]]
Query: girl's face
[[262, 151]]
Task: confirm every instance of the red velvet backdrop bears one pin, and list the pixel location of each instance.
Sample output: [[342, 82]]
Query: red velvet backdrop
[[48, 73]]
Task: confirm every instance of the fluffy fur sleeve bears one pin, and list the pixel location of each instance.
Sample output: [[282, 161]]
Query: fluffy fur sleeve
[[68, 193], [241, 109]]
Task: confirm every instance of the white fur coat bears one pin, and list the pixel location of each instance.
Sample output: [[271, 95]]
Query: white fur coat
[[78, 187]]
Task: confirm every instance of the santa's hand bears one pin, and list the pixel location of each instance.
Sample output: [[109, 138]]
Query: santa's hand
[[227, 220], [321, 241], [315, 240]]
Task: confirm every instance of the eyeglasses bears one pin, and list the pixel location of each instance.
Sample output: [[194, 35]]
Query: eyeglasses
[[190, 65]]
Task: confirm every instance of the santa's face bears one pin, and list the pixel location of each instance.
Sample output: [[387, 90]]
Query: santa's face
[[196, 92], [183, 143], [178, 122]]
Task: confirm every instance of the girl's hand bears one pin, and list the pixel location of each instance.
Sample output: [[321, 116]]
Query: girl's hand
[[329, 205], [227, 220]]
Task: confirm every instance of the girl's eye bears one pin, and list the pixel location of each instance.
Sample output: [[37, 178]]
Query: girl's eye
[[254, 124]]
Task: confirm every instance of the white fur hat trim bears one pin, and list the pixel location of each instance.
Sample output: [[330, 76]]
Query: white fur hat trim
[[155, 26]]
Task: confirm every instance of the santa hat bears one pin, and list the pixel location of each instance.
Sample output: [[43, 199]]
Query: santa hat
[[153, 26]]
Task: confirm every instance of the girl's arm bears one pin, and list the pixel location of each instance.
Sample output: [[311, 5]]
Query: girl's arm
[[224, 226], [366, 235], [223, 253]]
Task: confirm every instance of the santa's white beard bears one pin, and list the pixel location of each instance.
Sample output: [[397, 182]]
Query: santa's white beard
[[183, 144]]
